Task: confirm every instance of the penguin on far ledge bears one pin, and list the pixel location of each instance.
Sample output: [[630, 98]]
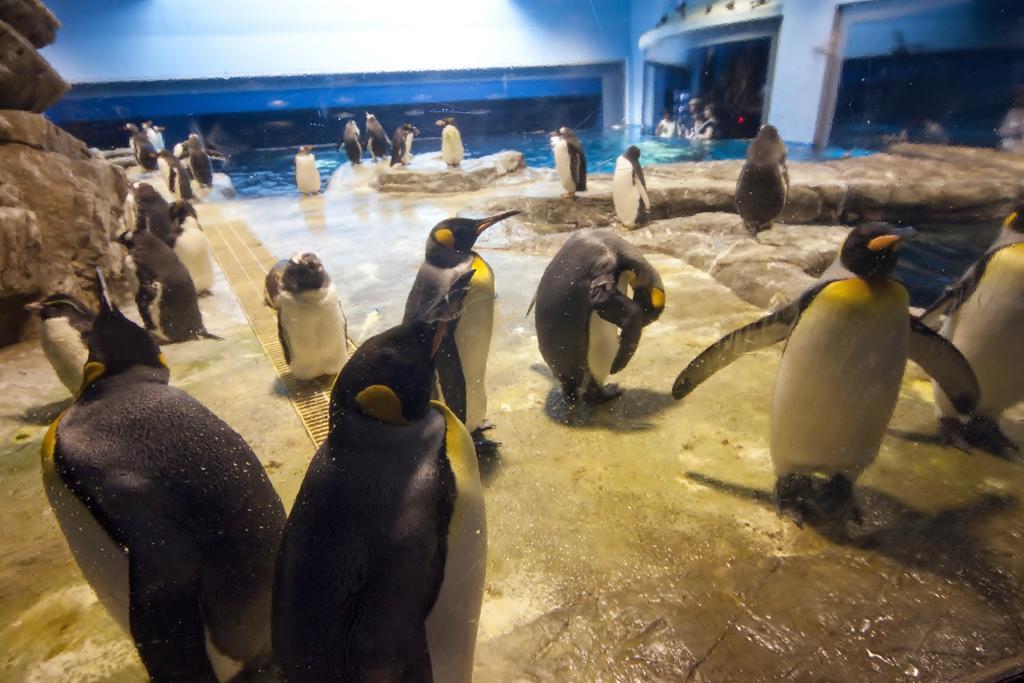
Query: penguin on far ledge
[[66, 324], [570, 161], [452, 151], [401, 144], [141, 147], [177, 179], [198, 160], [155, 135], [350, 141], [307, 175], [376, 138], [629, 189]]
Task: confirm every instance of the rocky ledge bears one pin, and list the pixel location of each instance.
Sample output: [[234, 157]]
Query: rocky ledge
[[428, 174], [27, 81]]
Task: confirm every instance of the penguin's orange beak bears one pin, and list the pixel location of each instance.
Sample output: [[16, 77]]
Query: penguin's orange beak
[[884, 242]]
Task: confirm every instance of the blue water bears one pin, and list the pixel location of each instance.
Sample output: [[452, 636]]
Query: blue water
[[270, 172]]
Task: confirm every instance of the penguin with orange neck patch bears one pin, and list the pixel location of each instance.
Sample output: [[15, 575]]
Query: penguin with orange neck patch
[[847, 344], [462, 360], [381, 571], [167, 511]]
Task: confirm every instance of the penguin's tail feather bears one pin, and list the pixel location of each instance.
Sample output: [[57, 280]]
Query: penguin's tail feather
[[203, 334], [533, 302]]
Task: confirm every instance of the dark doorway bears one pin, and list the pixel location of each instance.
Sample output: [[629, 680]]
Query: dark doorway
[[732, 77]]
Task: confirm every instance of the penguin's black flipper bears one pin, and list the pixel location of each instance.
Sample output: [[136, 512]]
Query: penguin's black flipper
[[944, 362], [281, 337], [450, 376], [618, 309], [955, 294]]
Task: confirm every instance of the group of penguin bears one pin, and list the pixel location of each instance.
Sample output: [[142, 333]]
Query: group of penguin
[[378, 571], [185, 181]]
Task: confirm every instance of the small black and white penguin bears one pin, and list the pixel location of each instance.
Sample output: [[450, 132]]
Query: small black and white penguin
[[167, 511], [65, 336], [452, 151], [167, 298], [307, 175], [177, 179], [190, 245], [146, 209], [273, 283], [462, 361], [985, 320], [588, 325], [311, 324], [155, 135], [847, 344], [629, 189], [350, 141], [401, 144], [141, 147], [570, 161], [376, 138], [763, 185], [198, 160], [381, 571]]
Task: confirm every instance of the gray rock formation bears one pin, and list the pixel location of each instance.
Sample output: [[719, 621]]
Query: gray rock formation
[[27, 81], [427, 173], [31, 19]]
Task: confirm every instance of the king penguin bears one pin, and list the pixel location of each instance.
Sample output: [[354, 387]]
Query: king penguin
[[376, 138], [311, 324], [462, 361], [985, 320], [451, 142], [763, 184], [350, 141], [381, 571], [847, 344], [401, 144], [307, 175], [167, 511], [190, 245], [65, 335], [583, 303], [570, 161], [141, 147], [629, 189], [177, 179]]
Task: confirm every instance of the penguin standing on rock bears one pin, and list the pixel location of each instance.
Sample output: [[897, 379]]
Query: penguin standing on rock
[[985, 321], [146, 209], [65, 336], [307, 175], [311, 324], [629, 190], [570, 161], [588, 327], [141, 147], [167, 511], [190, 245], [376, 138], [175, 176], [381, 571], [401, 144], [847, 344], [452, 151], [198, 160], [155, 135], [350, 141], [764, 181], [462, 360]]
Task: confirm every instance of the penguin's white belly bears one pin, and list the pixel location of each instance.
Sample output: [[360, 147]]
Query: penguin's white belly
[[451, 146], [154, 308], [989, 330], [193, 251], [625, 194], [839, 379], [65, 350], [452, 623], [564, 166], [407, 156], [315, 328], [307, 176], [473, 339], [156, 139], [165, 173], [602, 345]]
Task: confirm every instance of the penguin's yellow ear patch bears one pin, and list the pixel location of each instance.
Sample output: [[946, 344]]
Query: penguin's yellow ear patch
[[1010, 220], [90, 373], [445, 237], [658, 298], [381, 403]]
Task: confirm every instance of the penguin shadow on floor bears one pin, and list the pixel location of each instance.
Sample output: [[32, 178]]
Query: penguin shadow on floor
[[942, 543], [43, 415], [1013, 429], [490, 466], [629, 412]]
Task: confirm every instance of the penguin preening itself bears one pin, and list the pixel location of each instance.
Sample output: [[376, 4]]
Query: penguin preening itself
[[141, 147], [65, 335], [452, 151], [462, 360], [763, 185], [381, 570], [985, 321], [167, 298], [376, 138], [847, 344], [177, 179], [167, 511], [311, 324], [401, 144], [350, 141], [155, 135], [190, 245], [570, 161], [146, 209], [273, 283], [629, 189], [307, 175], [588, 327], [198, 160]]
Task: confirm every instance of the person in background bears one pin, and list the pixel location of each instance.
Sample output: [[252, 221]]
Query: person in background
[[707, 127], [1011, 131], [688, 118], [667, 127]]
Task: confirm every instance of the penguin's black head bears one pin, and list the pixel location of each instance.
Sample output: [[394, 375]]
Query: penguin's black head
[[767, 147], [116, 343], [632, 153], [390, 376], [460, 234], [131, 128], [304, 273], [61, 305], [871, 250], [306, 149], [179, 210], [567, 133], [409, 128], [446, 121]]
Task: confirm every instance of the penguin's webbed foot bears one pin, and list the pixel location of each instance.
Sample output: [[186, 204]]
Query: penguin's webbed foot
[[952, 433], [984, 433], [835, 503], [484, 426], [595, 393], [484, 446], [793, 494]]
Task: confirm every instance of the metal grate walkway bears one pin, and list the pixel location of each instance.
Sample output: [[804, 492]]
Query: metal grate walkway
[[245, 263]]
